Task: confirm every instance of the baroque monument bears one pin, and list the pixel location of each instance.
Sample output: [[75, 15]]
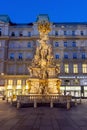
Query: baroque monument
[[43, 71]]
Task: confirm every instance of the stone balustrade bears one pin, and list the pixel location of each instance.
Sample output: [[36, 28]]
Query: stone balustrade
[[39, 98]]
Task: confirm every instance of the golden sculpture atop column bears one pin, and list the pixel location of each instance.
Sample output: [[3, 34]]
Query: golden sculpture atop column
[[44, 27]]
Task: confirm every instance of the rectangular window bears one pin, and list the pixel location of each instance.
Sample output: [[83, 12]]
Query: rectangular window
[[57, 56], [0, 44], [74, 55], [75, 68], [56, 44], [19, 82], [65, 44], [12, 34], [0, 31], [83, 56], [65, 56], [82, 33], [29, 34], [65, 33], [73, 33], [29, 45], [56, 33], [20, 56], [84, 68], [74, 44], [10, 82], [12, 56], [66, 68]]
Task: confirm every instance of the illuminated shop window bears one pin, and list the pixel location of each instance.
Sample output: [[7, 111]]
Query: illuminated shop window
[[84, 68], [75, 68], [66, 68], [19, 82], [10, 82]]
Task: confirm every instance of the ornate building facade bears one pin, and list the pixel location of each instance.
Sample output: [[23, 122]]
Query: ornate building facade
[[17, 48]]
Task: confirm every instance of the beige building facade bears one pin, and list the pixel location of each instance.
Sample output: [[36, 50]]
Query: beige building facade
[[17, 48]]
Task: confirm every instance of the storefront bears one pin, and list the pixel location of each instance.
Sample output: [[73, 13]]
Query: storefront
[[74, 85]]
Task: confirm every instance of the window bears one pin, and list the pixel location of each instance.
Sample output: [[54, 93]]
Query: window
[[20, 34], [65, 33], [29, 45], [20, 56], [73, 33], [56, 33], [0, 44], [11, 45], [29, 56], [83, 56], [75, 68], [84, 68], [56, 44], [82, 33], [74, 44], [74, 55], [29, 34], [66, 56], [10, 82], [57, 56], [66, 68], [65, 44], [12, 56], [0, 31], [12, 34], [18, 82]]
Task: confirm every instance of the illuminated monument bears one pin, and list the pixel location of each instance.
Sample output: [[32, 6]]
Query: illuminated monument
[[43, 71]]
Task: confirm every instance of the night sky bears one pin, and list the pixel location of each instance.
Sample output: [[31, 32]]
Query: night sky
[[25, 11]]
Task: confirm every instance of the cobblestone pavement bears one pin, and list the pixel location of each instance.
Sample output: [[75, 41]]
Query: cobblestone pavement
[[43, 118]]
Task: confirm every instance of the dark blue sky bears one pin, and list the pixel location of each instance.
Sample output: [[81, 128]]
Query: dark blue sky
[[24, 11]]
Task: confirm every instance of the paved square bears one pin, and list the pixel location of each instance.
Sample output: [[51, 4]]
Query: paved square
[[42, 118]]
